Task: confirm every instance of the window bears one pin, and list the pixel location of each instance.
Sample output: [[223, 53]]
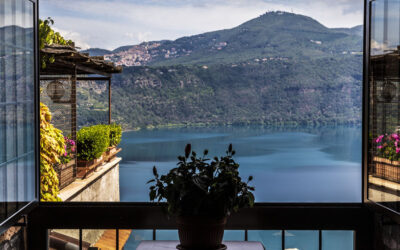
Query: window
[[17, 106], [384, 94]]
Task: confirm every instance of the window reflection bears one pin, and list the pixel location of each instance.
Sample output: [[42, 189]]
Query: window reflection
[[17, 168], [384, 78]]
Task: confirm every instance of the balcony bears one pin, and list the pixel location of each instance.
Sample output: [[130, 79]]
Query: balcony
[[314, 124]]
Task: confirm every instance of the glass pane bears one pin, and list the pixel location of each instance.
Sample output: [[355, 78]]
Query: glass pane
[[17, 164], [102, 239], [384, 82], [337, 240], [14, 238], [295, 239], [167, 235], [271, 239], [138, 236], [60, 239], [233, 235]]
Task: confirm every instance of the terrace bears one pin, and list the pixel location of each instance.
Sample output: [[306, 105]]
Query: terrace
[[87, 181]]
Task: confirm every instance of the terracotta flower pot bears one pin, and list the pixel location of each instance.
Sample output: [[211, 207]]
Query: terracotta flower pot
[[197, 232], [85, 168]]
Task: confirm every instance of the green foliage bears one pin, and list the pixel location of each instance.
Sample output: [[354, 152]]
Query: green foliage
[[92, 142], [47, 36], [51, 147], [200, 186], [115, 134]]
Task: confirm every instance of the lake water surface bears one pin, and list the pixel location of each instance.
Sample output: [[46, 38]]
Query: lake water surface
[[288, 164]]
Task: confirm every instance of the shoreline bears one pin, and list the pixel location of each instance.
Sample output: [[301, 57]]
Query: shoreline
[[199, 125]]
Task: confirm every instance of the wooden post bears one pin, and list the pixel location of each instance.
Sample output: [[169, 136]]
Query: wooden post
[[73, 113], [109, 100]]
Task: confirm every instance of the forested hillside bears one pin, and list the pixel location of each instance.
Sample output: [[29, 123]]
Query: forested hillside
[[280, 68]]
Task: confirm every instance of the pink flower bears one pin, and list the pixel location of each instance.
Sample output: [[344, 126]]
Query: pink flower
[[380, 147], [395, 136], [65, 154], [397, 150], [379, 139]]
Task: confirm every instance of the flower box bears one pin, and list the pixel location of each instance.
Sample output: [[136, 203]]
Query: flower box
[[85, 168], [65, 173], [386, 169], [111, 153]]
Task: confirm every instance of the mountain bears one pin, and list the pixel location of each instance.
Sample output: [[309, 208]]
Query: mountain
[[9, 34], [274, 34], [96, 51], [356, 31], [279, 68]]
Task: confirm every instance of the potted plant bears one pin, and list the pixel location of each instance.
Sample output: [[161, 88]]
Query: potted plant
[[387, 159], [202, 193], [115, 139], [65, 169], [91, 143]]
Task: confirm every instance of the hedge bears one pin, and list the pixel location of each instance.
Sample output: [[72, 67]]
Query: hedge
[[115, 134], [92, 142]]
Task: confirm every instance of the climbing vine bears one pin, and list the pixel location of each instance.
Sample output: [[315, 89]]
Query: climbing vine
[[51, 147], [47, 36]]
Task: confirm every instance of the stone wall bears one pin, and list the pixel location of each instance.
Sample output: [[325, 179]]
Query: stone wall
[[102, 185], [105, 188]]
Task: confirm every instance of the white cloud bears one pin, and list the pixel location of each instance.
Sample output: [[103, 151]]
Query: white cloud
[[79, 40], [109, 24]]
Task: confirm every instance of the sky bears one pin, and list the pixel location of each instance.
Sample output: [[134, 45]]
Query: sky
[[110, 24]]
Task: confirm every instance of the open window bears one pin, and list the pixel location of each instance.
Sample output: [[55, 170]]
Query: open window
[[18, 89], [384, 104]]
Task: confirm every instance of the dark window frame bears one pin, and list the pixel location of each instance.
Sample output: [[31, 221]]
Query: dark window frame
[[21, 212], [375, 206]]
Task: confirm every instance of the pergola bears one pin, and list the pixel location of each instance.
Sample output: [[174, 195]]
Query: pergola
[[65, 66], [72, 65]]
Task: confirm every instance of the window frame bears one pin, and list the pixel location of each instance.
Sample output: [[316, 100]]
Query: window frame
[[375, 206], [21, 213]]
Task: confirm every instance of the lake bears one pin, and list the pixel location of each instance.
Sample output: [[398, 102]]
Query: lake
[[321, 164], [288, 164]]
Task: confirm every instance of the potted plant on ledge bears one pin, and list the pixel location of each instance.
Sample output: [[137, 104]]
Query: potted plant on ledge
[[202, 193], [65, 169], [115, 139], [91, 143], [387, 159]]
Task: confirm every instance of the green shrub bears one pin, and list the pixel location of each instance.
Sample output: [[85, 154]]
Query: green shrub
[[115, 134], [92, 142]]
